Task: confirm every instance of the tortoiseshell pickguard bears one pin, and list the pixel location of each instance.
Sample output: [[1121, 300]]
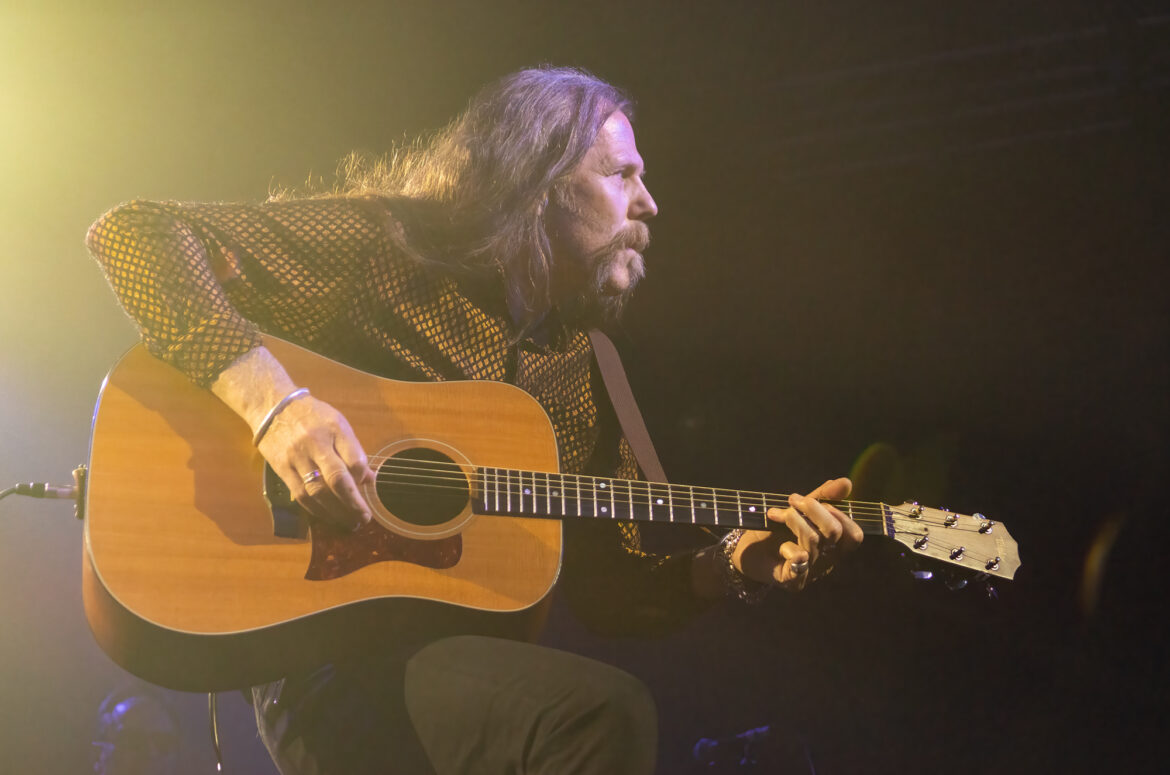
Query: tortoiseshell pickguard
[[337, 553]]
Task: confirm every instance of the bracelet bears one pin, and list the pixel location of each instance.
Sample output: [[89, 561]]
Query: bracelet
[[266, 423], [737, 584]]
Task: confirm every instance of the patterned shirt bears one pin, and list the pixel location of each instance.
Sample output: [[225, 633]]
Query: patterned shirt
[[201, 281]]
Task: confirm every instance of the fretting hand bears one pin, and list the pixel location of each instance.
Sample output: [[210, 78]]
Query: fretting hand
[[820, 533]]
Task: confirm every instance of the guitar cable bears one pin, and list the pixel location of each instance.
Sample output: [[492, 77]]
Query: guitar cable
[[74, 492]]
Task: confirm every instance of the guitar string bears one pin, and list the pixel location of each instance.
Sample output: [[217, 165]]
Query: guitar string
[[457, 477], [635, 499], [452, 476], [936, 540], [590, 493], [457, 474], [459, 483]]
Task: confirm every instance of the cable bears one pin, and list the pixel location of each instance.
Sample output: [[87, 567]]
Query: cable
[[74, 492], [42, 490], [213, 720]]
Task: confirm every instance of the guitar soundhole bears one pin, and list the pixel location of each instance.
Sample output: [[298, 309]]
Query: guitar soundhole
[[422, 486]]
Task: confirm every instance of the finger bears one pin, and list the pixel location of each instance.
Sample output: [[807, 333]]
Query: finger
[[833, 489], [767, 563], [349, 449], [318, 498], [828, 524], [298, 487], [794, 570], [807, 537], [346, 493], [852, 534]]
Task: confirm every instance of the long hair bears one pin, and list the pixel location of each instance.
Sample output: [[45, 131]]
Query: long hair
[[474, 194]]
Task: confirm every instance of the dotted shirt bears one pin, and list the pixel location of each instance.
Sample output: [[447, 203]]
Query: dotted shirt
[[201, 281]]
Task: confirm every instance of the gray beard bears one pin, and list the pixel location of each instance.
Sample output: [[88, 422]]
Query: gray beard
[[595, 305]]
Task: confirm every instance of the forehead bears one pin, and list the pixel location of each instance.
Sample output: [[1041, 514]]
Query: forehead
[[615, 141]]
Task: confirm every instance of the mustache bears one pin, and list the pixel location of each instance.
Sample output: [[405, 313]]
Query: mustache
[[636, 236]]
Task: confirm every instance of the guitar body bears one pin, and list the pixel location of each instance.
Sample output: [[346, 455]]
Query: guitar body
[[187, 583]]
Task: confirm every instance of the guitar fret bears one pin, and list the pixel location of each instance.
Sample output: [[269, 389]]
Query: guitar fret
[[623, 507], [598, 507], [714, 506], [548, 494], [756, 508]]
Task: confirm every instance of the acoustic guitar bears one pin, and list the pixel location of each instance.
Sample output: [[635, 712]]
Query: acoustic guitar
[[199, 574]]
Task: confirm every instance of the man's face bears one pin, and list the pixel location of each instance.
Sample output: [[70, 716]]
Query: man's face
[[596, 226]]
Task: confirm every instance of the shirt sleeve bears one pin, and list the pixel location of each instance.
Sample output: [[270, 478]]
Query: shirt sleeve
[[201, 280]]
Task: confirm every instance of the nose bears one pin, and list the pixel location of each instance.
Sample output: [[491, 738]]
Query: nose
[[642, 205]]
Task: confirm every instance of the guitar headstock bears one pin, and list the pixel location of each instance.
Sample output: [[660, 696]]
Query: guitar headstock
[[969, 541]]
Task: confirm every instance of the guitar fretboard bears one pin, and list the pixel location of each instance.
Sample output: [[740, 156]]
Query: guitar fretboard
[[505, 491]]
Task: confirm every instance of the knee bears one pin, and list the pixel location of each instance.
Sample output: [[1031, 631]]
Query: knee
[[612, 724]]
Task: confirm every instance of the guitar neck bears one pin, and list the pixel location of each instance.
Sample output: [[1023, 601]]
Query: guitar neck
[[515, 493]]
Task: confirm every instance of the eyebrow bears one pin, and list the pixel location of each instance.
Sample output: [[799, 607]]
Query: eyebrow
[[624, 162]]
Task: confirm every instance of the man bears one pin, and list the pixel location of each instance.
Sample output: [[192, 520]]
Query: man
[[484, 253]]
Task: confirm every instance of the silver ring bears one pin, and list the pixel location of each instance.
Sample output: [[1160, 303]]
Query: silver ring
[[312, 476], [799, 568]]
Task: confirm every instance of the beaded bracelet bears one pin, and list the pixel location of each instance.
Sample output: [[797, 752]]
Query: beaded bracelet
[[737, 584], [280, 405]]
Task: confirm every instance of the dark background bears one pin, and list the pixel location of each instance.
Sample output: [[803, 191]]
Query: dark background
[[938, 228]]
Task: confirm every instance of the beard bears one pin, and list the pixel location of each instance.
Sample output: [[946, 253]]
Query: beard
[[610, 276]]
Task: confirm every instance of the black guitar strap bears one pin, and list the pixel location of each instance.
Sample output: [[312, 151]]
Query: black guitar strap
[[625, 407]]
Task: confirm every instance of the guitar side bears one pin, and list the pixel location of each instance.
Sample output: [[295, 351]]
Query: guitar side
[[185, 583]]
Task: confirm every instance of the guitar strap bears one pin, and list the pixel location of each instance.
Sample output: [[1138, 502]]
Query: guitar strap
[[625, 407]]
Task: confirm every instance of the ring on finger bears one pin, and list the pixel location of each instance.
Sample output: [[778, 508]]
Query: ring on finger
[[312, 477], [799, 568]]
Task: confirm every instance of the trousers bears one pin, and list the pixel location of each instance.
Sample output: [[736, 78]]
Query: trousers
[[460, 706]]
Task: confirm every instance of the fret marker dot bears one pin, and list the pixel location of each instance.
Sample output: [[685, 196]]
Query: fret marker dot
[[556, 493], [602, 485], [751, 508], [605, 509], [527, 491], [702, 505], [658, 501]]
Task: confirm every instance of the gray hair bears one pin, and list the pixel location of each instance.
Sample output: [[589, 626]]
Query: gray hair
[[474, 194]]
